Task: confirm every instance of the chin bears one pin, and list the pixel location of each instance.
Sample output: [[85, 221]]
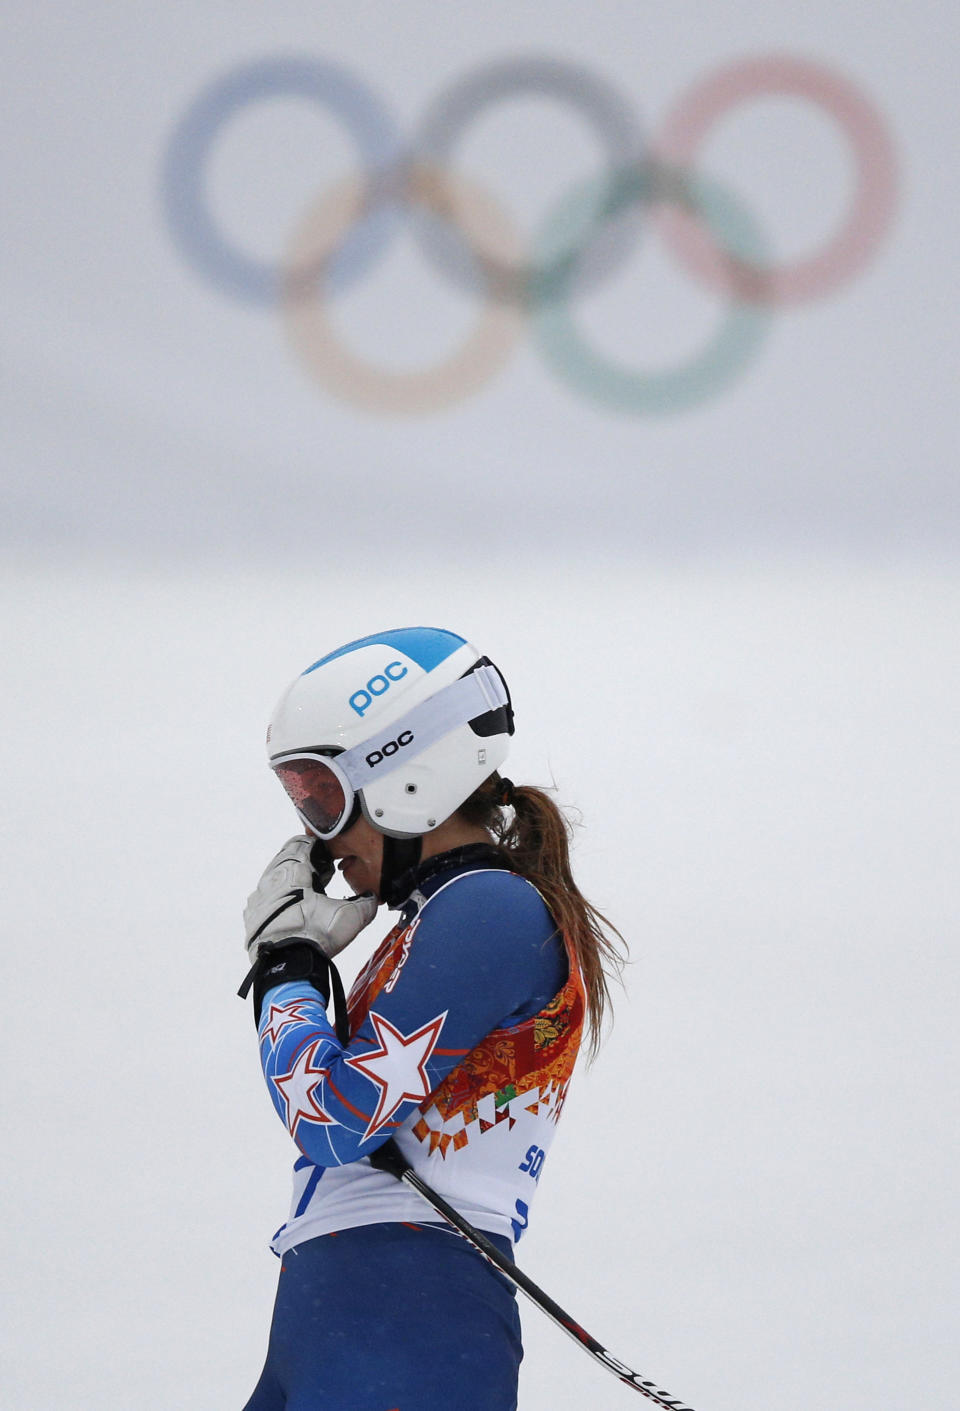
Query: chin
[[356, 874]]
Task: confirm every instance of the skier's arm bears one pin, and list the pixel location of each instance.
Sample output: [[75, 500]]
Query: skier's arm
[[483, 954]]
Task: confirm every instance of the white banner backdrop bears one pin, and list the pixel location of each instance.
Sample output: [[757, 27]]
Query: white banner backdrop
[[159, 399]]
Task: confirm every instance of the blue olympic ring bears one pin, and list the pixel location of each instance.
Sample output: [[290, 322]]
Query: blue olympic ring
[[191, 144]]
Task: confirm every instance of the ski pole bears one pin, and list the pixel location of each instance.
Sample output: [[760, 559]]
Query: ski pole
[[390, 1158]]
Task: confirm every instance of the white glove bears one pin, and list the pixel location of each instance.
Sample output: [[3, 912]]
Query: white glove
[[289, 904]]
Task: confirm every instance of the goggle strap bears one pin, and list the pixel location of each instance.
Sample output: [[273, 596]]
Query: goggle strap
[[463, 700]]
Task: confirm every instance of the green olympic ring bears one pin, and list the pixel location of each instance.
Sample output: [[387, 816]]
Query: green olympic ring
[[738, 338]]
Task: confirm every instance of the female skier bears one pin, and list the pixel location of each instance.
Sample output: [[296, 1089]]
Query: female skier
[[460, 1036]]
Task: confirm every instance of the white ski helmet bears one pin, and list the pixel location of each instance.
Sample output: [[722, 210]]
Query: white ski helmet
[[401, 726]]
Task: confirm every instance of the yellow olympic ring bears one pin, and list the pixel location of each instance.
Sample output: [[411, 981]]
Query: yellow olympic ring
[[376, 388]]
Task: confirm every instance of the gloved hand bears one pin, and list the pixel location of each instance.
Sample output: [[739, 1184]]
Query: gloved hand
[[289, 903], [293, 930]]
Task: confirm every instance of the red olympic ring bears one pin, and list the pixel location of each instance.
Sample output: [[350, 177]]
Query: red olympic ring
[[871, 210]]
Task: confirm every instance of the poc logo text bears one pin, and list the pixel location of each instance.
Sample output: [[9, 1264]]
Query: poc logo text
[[362, 700], [376, 757]]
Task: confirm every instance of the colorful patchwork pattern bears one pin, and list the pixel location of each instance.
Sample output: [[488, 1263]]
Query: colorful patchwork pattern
[[523, 1069]]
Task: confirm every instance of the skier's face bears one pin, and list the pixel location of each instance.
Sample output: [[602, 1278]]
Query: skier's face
[[359, 852]]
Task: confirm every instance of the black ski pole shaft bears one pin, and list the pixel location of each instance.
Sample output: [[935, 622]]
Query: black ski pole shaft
[[390, 1158]]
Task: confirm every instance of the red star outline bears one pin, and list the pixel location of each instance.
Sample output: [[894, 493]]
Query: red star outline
[[392, 1044], [302, 1070], [291, 1012]]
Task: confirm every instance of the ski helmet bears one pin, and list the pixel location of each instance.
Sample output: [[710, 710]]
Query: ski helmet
[[401, 727]]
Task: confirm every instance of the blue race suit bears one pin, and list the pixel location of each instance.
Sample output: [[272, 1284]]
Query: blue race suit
[[464, 1029]]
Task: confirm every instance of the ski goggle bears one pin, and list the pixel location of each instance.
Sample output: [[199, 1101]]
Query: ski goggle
[[318, 791], [323, 787]]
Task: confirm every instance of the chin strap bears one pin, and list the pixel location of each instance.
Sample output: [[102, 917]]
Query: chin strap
[[401, 857]]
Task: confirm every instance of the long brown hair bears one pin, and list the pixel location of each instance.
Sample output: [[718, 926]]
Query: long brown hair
[[535, 835]]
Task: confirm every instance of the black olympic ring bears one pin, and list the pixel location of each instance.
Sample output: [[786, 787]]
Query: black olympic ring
[[450, 115]]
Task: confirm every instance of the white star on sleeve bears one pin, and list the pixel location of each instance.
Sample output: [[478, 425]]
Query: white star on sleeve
[[280, 1015], [398, 1066], [297, 1090]]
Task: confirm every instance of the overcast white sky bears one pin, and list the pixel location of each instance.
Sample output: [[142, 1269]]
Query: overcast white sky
[[731, 636]]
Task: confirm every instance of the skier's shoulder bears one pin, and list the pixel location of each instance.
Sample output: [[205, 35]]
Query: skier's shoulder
[[487, 900], [493, 930]]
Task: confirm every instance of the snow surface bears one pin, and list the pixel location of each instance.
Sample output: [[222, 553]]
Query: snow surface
[[751, 1194]]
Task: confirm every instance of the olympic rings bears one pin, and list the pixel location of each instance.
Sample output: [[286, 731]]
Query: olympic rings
[[375, 388], [737, 339], [469, 238], [871, 210]]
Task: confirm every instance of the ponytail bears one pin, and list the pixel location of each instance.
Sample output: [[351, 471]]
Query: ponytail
[[535, 836]]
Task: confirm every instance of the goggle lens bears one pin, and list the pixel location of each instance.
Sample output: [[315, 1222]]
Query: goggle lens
[[315, 792]]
